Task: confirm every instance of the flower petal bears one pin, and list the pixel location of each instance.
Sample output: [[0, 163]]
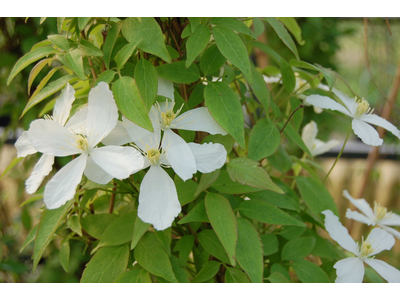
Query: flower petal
[[350, 103], [209, 157], [179, 155], [327, 103], [349, 270], [366, 133], [62, 186], [95, 173], [40, 171], [102, 113], [309, 134], [165, 88], [142, 137], [119, 162], [338, 232], [389, 273], [392, 231], [272, 79], [355, 215], [118, 136], [51, 138], [391, 219], [362, 205], [376, 120], [380, 240], [321, 147], [63, 104], [198, 119], [77, 123], [158, 199], [24, 146]]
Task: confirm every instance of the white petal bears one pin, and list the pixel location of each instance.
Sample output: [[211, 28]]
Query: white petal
[[102, 113], [142, 137], [272, 79], [51, 138], [179, 155], [389, 273], [376, 120], [392, 231], [209, 157], [366, 133], [380, 240], [361, 204], [95, 173], [77, 123], [198, 119], [63, 104], [350, 103], [24, 146], [327, 103], [355, 215], [322, 147], [349, 270], [165, 88], [158, 199], [120, 162], [62, 186], [338, 232], [40, 171], [118, 136], [309, 134], [391, 219]]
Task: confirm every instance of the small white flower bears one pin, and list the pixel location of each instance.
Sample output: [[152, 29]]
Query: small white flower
[[99, 164], [351, 269], [361, 112], [316, 146], [379, 216]]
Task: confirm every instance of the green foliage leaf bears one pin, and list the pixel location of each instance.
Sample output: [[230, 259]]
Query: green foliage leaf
[[211, 60], [292, 134], [151, 255], [260, 89], [264, 140], [233, 48], [106, 76], [177, 72], [225, 108], [309, 272], [82, 22], [210, 242], [279, 200], [185, 190], [13, 163], [64, 254], [60, 22], [235, 276], [88, 49], [147, 31], [30, 237], [277, 277], [281, 160], [106, 265], [134, 276], [109, 43], [223, 221], [130, 102], [206, 180], [194, 22], [264, 212], [298, 248], [75, 62], [184, 246], [328, 74], [288, 77], [283, 35], [44, 81], [139, 230], [197, 214], [249, 251], [315, 195], [147, 82], [209, 270], [225, 185], [270, 243], [197, 96], [74, 225], [258, 27], [124, 54], [60, 41], [180, 273], [294, 28], [36, 70], [233, 24], [95, 225], [196, 43], [225, 140], [165, 239]]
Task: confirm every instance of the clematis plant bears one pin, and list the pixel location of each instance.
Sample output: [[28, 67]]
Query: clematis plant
[[316, 146]]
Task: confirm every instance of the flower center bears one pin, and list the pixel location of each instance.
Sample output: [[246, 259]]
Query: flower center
[[363, 107], [81, 142], [153, 155], [380, 212], [366, 249], [168, 117]]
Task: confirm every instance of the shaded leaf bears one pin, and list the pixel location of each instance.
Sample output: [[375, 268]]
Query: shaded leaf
[[309, 272], [146, 77], [109, 43], [298, 248], [177, 72], [209, 270], [283, 35], [197, 214], [196, 43], [211, 60], [210, 242], [264, 140], [64, 254], [95, 225]]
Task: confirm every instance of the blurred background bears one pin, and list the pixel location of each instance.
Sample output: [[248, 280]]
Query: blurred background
[[337, 43]]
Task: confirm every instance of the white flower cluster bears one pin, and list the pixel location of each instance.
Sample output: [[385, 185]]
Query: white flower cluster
[[96, 135]]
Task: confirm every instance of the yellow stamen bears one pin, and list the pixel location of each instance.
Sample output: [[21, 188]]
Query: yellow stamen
[[153, 155], [366, 249], [363, 107], [81, 142], [380, 212], [168, 117]]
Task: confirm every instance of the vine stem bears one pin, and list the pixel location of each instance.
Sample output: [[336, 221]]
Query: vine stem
[[112, 199], [291, 115]]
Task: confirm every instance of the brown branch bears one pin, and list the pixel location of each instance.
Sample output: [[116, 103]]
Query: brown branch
[[112, 199], [388, 25], [291, 115]]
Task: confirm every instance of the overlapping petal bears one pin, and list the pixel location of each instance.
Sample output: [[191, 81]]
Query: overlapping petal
[[209, 157], [165, 88], [389, 273], [95, 173], [77, 123], [392, 231], [40, 171], [24, 146], [321, 147], [355, 215], [349, 270], [361, 204], [63, 104], [380, 240], [366, 133], [118, 136], [141, 136], [391, 219]]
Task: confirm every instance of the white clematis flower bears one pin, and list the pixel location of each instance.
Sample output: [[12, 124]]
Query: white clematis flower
[[316, 146], [99, 164], [352, 269], [361, 112], [379, 216]]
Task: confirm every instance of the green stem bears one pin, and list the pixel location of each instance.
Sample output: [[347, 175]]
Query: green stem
[[298, 170]]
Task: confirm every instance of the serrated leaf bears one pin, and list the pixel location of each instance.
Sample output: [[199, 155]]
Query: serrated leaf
[[124, 54], [75, 63], [109, 43], [139, 230], [206, 180], [225, 108], [209, 270], [36, 70], [211, 60], [270, 243], [177, 72], [309, 272], [233, 24], [261, 90], [283, 35], [146, 79], [88, 49], [197, 214], [225, 185], [106, 265], [196, 43], [130, 102], [298, 248], [210, 242], [264, 140], [64, 254], [235, 276]]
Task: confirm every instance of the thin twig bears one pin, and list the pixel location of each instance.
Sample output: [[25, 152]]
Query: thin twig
[[112, 199], [291, 115]]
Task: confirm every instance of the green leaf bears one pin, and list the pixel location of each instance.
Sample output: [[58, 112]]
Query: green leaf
[[130, 102], [174, 54], [149, 33], [109, 43], [151, 255], [281, 269], [225, 140], [139, 230], [323, 247], [48, 224], [30, 237], [196, 43], [298, 248], [249, 251], [36, 70], [177, 72], [210, 242], [180, 273], [247, 171], [328, 74], [309, 272], [60, 41], [292, 134], [279, 200], [165, 239], [75, 62], [74, 225], [223, 221], [64, 254], [294, 28], [292, 232], [283, 35], [184, 246], [106, 76], [264, 212], [261, 90], [82, 22], [49, 90], [124, 54], [211, 60], [206, 180], [315, 195], [281, 160], [288, 77], [225, 185], [277, 277], [197, 214], [233, 24], [44, 81], [13, 163], [106, 265], [146, 79], [60, 22], [134, 276], [235, 276], [185, 190], [258, 26], [194, 22], [197, 96], [27, 59], [233, 48], [187, 31], [270, 243], [95, 225], [225, 108], [209, 270], [88, 49], [264, 140]]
